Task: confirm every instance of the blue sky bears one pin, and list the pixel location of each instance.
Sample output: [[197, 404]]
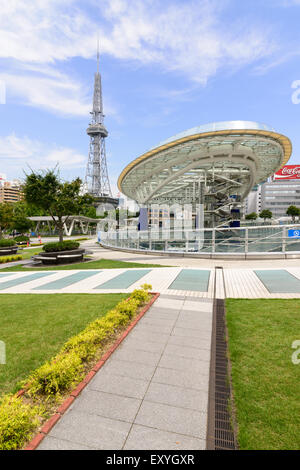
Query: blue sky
[[167, 65]]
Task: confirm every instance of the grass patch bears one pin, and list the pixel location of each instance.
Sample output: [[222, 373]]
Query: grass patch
[[35, 326], [98, 264], [265, 381], [48, 385], [28, 253]]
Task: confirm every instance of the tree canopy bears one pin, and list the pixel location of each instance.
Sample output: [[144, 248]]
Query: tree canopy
[[45, 190], [251, 216], [6, 216], [266, 214], [293, 211]]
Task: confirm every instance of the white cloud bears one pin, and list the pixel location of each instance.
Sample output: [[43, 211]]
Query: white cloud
[[21, 153], [189, 37], [57, 94]]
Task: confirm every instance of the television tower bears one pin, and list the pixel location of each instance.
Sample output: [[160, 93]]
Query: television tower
[[96, 180]]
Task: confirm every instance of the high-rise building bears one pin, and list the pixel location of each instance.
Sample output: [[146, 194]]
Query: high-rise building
[[282, 191], [10, 191]]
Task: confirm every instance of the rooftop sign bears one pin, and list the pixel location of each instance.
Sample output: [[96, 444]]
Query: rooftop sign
[[288, 172]]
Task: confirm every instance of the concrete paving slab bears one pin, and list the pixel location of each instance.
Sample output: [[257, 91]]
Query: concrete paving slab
[[136, 355], [52, 443], [153, 328], [169, 303], [177, 396], [107, 405], [182, 378], [187, 352], [91, 430], [190, 342], [171, 418], [182, 363], [119, 385], [202, 325], [198, 306], [145, 438], [151, 336], [150, 346], [168, 322], [190, 333], [134, 370]]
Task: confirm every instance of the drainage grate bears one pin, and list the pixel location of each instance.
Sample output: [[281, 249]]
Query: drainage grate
[[220, 435], [224, 436]]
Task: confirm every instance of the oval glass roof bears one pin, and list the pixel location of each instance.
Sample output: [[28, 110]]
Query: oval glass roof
[[217, 126]]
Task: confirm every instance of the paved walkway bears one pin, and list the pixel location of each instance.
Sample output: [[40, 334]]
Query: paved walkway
[[153, 391], [174, 260], [193, 282]]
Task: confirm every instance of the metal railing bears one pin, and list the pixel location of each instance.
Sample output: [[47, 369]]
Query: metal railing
[[256, 239]]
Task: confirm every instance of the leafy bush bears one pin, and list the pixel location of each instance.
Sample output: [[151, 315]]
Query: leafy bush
[[8, 259], [128, 307], [140, 295], [7, 242], [17, 422], [56, 376], [60, 246], [21, 238]]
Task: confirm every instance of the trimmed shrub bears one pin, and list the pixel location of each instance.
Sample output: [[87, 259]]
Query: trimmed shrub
[[128, 307], [67, 245], [8, 259], [7, 242], [141, 296], [56, 376], [21, 238], [18, 421]]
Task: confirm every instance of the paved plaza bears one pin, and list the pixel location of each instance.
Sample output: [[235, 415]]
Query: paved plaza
[[192, 282], [153, 391]]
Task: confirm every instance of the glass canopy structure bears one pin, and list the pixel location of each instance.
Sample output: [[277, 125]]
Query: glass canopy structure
[[215, 165]]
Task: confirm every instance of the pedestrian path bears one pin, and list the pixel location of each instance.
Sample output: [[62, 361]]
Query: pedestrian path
[[152, 393], [194, 282]]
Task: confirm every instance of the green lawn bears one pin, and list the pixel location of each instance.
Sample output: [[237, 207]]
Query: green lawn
[[98, 264], [266, 383], [35, 326], [28, 253]]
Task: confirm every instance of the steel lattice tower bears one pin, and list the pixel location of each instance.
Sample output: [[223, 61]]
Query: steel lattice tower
[[96, 180]]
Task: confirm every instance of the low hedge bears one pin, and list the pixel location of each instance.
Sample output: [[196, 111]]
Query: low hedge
[[61, 246], [22, 238], [7, 242], [56, 377], [9, 259], [18, 421]]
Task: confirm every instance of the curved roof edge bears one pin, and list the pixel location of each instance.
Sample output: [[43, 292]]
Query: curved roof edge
[[207, 130], [216, 126]]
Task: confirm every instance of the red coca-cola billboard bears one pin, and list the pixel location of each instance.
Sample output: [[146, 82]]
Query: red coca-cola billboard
[[288, 172]]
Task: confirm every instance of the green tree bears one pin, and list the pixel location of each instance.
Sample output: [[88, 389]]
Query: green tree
[[266, 214], [21, 208], [251, 216], [21, 224], [6, 216], [294, 212], [45, 190], [89, 211]]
